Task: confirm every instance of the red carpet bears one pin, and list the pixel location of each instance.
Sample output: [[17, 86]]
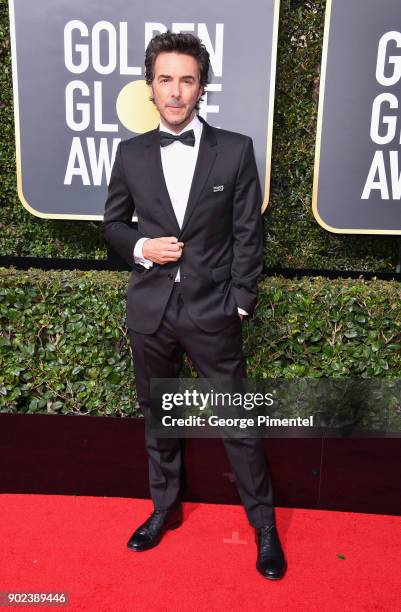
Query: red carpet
[[78, 545]]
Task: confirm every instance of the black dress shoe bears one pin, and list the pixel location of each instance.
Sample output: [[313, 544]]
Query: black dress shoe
[[151, 531], [271, 562]]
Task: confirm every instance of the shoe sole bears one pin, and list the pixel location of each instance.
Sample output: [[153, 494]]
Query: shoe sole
[[169, 527]]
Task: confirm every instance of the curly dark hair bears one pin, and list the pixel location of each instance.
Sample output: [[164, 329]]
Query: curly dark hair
[[186, 43]]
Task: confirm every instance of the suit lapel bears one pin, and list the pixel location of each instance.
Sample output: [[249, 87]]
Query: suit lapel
[[206, 156], [158, 183]]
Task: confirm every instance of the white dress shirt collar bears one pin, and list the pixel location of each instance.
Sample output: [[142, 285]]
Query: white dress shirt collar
[[195, 125]]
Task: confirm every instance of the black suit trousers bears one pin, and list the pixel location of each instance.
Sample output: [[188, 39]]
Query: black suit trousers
[[213, 354]]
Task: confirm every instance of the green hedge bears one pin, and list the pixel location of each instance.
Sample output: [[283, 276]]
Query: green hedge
[[304, 245], [64, 346]]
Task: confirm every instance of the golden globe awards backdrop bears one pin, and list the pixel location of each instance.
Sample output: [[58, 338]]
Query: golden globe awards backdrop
[[79, 88], [357, 182]]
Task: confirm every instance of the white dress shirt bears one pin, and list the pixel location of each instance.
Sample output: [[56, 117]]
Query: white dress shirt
[[178, 162]]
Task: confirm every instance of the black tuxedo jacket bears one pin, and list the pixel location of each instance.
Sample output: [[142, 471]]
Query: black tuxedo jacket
[[222, 229]]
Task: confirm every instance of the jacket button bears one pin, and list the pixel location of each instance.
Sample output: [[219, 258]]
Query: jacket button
[[185, 276]]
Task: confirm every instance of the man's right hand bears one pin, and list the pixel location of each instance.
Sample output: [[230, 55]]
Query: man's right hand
[[162, 250]]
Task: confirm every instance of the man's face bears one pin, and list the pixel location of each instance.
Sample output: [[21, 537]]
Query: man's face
[[176, 88]]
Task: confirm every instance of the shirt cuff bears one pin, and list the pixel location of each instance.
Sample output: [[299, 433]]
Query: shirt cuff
[[242, 311], [138, 254]]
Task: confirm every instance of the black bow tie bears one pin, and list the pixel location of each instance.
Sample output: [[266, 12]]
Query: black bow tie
[[187, 138]]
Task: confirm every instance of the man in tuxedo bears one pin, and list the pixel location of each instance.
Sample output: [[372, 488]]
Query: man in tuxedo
[[196, 256]]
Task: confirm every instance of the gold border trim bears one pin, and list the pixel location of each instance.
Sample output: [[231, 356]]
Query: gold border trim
[[272, 88], [315, 211], [269, 135], [21, 196]]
